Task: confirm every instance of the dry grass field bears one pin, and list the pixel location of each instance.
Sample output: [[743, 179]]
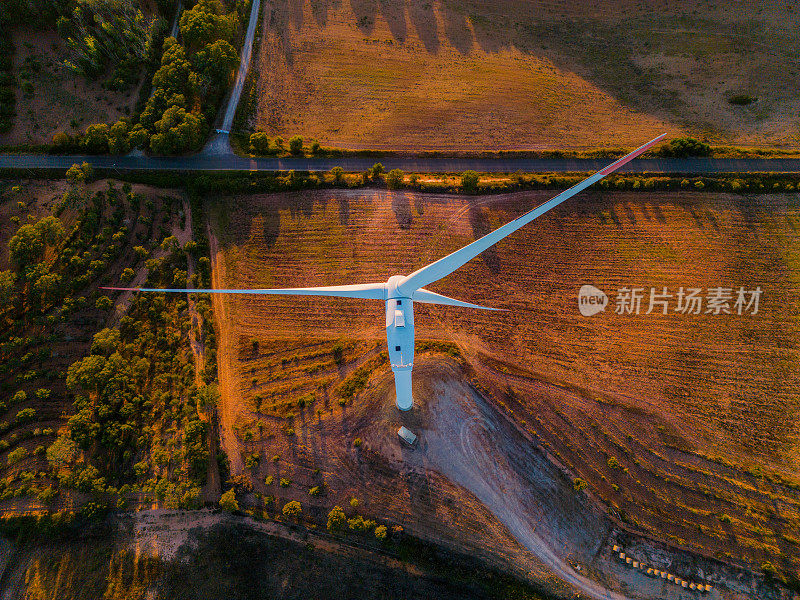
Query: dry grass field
[[445, 75], [698, 412]]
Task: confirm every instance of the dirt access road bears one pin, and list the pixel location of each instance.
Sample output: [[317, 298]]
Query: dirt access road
[[465, 439]]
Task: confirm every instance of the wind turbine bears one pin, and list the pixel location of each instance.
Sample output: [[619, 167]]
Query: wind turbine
[[400, 292]]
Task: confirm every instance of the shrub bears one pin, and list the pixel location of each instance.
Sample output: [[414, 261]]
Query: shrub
[[336, 519], [337, 174], [268, 480], [17, 455], [469, 182], [394, 180], [359, 523], [355, 502], [741, 100], [723, 518], [47, 494], [252, 460], [285, 482], [103, 303], [314, 491], [613, 462], [688, 146], [228, 501], [376, 171], [292, 509], [338, 354], [579, 484], [381, 532], [357, 442], [26, 414], [127, 275], [315, 147]]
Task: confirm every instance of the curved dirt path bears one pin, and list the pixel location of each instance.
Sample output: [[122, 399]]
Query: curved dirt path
[[473, 449], [464, 438]]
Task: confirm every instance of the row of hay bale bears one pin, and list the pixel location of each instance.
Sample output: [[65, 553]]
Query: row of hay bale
[[653, 572]]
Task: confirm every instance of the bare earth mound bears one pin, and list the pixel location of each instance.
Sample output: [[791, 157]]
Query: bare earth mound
[[514, 74], [682, 425]]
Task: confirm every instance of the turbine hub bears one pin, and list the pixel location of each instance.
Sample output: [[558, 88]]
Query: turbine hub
[[391, 287]]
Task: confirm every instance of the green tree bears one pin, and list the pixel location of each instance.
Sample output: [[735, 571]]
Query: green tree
[[175, 75], [48, 289], [228, 501], [469, 181], [25, 247], [216, 64], [338, 174], [105, 341], [296, 145], [51, 230], [7, 288], [178, 131], [138, 137], [376, 171], [259, 143], [95, 140], [119, 137], [75, 175], [207, 22], [336, 519], [394, 180]]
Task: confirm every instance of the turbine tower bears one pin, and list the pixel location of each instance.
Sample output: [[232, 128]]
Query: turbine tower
[[400, 292]]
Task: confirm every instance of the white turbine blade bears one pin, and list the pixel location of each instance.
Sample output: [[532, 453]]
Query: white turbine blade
[[429, 297], [374, 291], [444, 266]]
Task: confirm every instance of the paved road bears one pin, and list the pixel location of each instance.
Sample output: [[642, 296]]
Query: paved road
[[226, 161]]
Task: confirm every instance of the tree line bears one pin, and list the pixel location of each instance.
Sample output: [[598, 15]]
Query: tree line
[[187, 86]]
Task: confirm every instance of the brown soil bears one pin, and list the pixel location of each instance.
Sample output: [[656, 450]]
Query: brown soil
[[517, 74], [673, 398], [60, 97]]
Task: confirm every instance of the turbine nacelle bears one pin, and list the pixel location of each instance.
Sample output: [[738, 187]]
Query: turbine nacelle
[[400, 340]]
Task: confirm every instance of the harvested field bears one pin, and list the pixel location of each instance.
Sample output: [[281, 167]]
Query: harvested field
[[444, 75], [697, 411]]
